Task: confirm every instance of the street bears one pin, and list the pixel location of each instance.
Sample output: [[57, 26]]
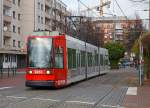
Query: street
[[54, 43], [106, 91]]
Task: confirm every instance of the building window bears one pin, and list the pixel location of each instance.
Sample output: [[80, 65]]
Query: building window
[[19, 2], [38, 5], [14, 29], [19, 30], [38, 19], [4, 41], [14, 2], [19, 17], [42, 7], [42, 20], [19, 44], [14, 14], [14, 43], [6, 58]]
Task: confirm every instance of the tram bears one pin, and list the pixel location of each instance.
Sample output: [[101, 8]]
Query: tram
[[56, 60]]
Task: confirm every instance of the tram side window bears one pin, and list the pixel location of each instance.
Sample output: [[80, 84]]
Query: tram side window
[[93, 60], [74, 58], [71, 58], [96, 59], [78, 59], [106, 60], [89, 59], [59, 61], [83, 58], [101, 59]]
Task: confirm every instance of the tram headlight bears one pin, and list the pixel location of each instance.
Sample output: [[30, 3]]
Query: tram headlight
[[30, 72], [48, 72]]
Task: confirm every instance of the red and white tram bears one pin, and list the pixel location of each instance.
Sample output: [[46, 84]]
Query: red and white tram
[[55, 60]]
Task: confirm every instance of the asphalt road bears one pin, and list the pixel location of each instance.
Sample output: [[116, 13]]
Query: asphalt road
[[107, 91]]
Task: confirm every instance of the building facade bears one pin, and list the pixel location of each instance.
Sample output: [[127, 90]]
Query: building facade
[[110, 29], [118, 29], [11, 34], [106, 28], [19, 18], [43, 15]]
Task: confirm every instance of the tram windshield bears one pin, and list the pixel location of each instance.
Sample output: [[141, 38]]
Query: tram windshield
[[40, 53]]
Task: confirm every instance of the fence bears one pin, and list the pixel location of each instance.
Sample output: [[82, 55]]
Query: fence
[[8, 72]]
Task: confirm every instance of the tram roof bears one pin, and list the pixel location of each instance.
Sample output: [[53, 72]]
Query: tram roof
[[56, 33]]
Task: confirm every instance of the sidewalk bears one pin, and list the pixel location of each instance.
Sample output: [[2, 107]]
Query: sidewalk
[[12, 79], [141, 99]]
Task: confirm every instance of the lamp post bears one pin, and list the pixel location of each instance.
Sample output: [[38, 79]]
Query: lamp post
[[149, 15], [140, 61]]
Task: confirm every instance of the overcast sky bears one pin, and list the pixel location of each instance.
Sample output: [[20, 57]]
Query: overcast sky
[[127, 6]]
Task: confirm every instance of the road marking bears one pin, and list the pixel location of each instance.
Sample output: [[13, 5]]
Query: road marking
[[46, 99], [19, 97], [16, 97], [132, 91], [3, 88], [81, 102], [111, 106]]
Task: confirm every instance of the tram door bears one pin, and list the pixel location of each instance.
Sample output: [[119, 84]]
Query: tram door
[[60, 66]]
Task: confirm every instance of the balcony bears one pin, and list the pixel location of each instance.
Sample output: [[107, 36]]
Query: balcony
[[47, 15], [7, 3], [47, 27], [7, 18], [7, 47], [53, 17], [47, 3], [7, 34]]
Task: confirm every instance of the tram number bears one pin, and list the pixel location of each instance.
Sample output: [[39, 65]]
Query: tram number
[[38, 72]]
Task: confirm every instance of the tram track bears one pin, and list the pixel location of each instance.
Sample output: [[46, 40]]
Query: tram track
[[24, 98], [99, 92]]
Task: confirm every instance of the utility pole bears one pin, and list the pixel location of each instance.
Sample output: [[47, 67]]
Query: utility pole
[[101, 7], [54, 26], [140, 61], [149, 15], [1, 22], [114, 33], [78, 7]]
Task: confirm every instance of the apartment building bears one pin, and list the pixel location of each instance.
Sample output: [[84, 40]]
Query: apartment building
[[19, 18], [106, 30], [110, 28], [118, 29], [43, 15], [10, 34]]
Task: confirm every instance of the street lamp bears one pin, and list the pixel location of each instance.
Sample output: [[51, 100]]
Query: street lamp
[[140, 60]]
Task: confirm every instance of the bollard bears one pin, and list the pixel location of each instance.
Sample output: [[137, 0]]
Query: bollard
[[1, 73], [8, 71], [13, 70]]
